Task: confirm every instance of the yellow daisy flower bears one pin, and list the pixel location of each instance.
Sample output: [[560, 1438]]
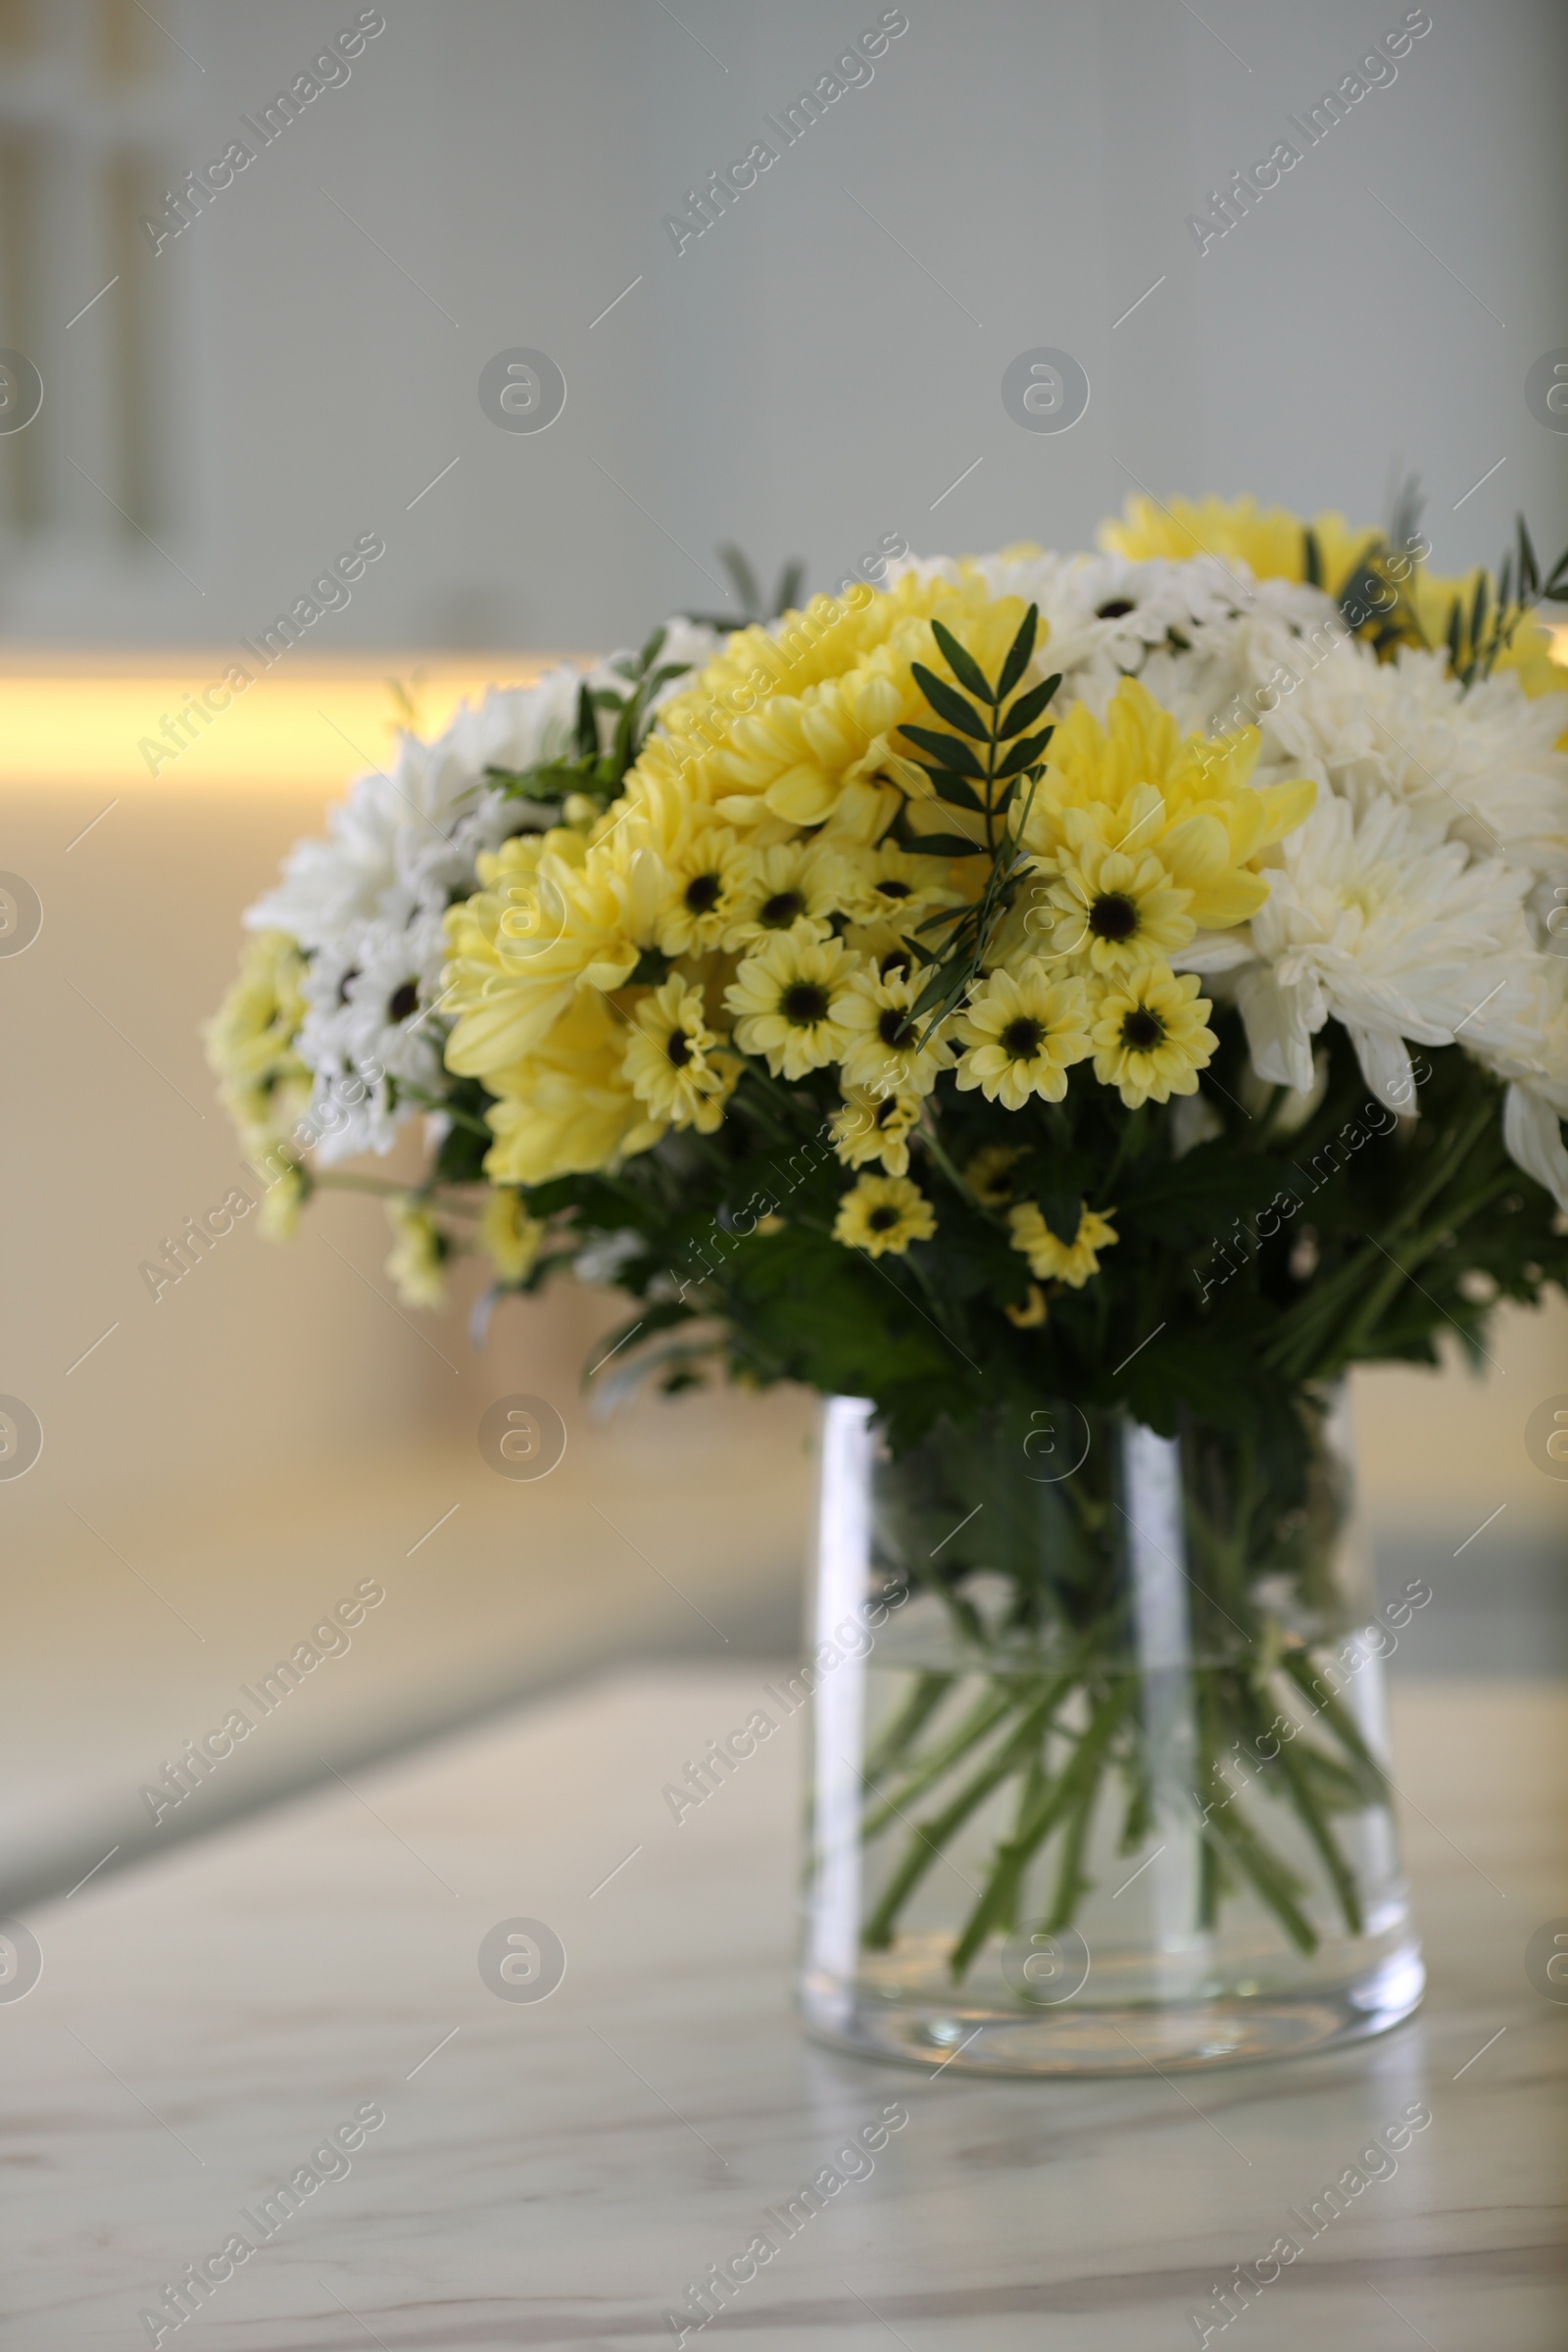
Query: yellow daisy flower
[[788, 999], [988, 1174], [876, 1126], [793, 882], [1023, 1035], [882, 1054], [1150, 1035], [263, 1084], [1052, 1260], [882, 1213], [1117, 910], [672, 1060], [510, 1238], [708, 880], [888, 888]]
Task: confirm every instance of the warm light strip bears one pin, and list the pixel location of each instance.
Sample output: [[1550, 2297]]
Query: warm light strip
[[303, 726]]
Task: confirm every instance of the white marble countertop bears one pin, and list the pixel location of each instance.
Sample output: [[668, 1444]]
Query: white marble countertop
[[560, 2172]]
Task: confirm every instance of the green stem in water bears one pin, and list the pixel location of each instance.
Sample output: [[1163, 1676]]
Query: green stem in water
[[980, 1720], [928, 1839], [1014, 1858], [930, 1690]]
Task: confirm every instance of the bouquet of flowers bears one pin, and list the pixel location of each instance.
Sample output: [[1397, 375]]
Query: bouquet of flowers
[[1125, 977]]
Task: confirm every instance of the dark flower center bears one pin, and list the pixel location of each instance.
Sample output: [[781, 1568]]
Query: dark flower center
[[352, 973], [803, 1003], [883, 1219], [893, 1027], [702, 893], [1021, 1038], [679, 1048], [1113, 916], [1142, 1029], [781, 910], [892, 890], [402, 1002], [1114, 608]]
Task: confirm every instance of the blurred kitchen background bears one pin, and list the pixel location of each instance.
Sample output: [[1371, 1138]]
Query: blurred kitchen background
[[300, 364]]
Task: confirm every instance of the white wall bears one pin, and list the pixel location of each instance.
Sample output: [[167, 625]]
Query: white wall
[[798, 378]]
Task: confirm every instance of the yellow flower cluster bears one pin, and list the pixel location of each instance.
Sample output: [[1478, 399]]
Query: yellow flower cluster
[[746, 897]]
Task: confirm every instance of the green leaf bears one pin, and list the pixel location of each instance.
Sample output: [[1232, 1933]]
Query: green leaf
[[741, 572], [1062, 1210], [1529, 575], [945, 844], [788, 592], [1027, 708], [1024, 754], [1018, 652], [1311, 558], [962, 663], [651, 969], [955, 791], [587, 724], [947, 749], [948, 705]]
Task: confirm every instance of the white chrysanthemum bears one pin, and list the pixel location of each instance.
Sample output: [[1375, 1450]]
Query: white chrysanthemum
[[397, 828], [407, 837], [368, 1026], [1520, 1032], [367, 902], [1385, 930], [1481, 768]]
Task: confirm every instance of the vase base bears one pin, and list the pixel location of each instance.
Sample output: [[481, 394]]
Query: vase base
[[1075, 2039]]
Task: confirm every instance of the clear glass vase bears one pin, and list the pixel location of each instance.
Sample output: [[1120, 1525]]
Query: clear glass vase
[[1098, 1749]]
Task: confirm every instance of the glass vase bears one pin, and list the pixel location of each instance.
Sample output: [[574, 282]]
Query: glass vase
[[1099, 1748]]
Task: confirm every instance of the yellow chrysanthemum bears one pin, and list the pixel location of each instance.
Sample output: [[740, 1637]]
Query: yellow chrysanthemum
[[1054, 1260], [1269, 541], [882, 1054], [1022, 1035], [263, 1084], [568, 1106], [788, 998], [876, 1126], [508, 1236], [1138, 786], [549, 923], [417, 1263], [673, 1060], [884, 1213], [1149, 1036], [801, 726]]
